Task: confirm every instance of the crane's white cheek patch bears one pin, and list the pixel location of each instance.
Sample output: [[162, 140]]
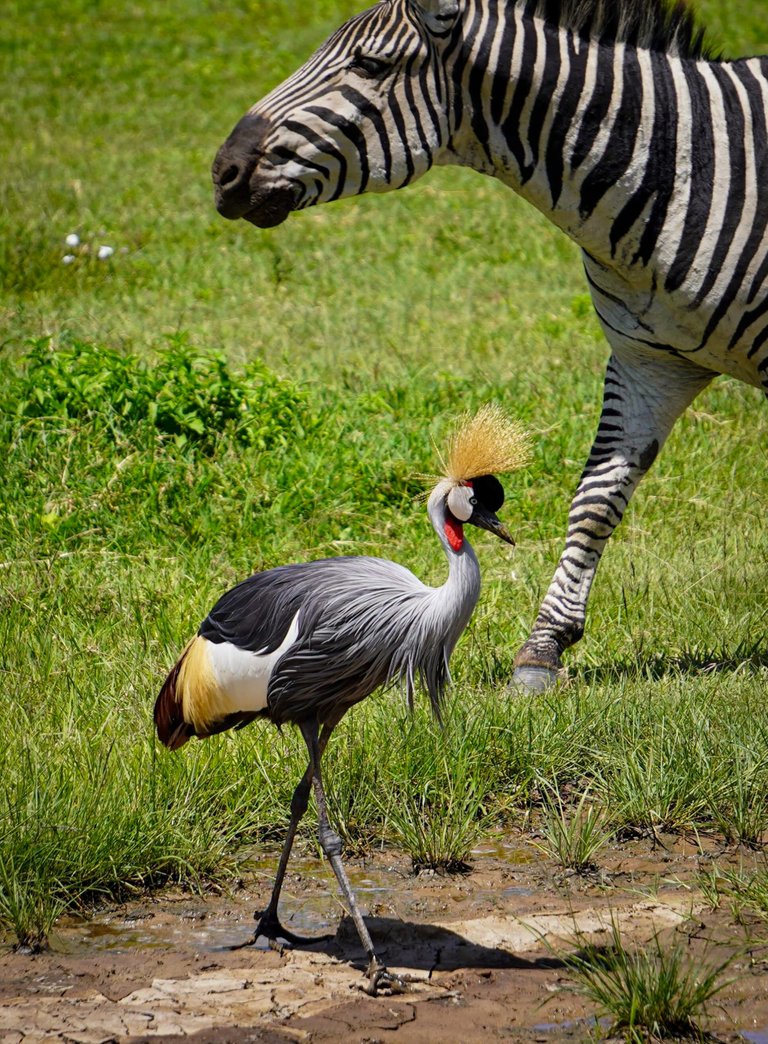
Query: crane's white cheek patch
[[458, 503], [243, 676]]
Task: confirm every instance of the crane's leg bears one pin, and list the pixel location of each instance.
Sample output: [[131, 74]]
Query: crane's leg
[[378, 976], [643, 397], [269, 924]]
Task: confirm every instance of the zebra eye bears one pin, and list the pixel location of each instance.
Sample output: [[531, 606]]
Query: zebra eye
[[368, 65]]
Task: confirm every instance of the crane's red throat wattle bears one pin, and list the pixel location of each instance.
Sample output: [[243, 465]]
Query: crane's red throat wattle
[[454, 531]]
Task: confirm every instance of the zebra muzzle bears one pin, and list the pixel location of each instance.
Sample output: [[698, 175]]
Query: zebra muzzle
[[242, 188], [271, 206]]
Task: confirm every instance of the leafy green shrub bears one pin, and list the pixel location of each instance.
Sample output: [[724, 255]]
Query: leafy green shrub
[[100, 445], [194, 397]]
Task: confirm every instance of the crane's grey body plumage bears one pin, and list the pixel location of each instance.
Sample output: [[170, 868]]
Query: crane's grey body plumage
[[363, 623]]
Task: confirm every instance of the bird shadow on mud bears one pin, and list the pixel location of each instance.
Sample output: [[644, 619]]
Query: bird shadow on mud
[[656, 666], [425, 947]]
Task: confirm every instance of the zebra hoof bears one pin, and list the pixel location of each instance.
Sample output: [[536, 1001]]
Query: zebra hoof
[[528, 679]]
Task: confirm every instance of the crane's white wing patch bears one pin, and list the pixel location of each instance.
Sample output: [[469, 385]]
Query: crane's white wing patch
[[243, 676]]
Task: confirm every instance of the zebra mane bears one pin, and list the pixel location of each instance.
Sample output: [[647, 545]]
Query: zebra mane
[[669, 26]]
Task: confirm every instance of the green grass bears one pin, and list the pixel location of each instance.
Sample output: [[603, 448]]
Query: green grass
[[744, 890], [650, 993], [339, 345], [574, 838]]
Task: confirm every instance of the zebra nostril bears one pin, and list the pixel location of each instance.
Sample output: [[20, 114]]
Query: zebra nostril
[[229, 175]]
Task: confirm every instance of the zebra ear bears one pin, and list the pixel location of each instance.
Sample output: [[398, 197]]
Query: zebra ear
[[438, 15]]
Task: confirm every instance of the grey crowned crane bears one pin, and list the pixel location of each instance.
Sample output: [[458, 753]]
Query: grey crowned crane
[[303, 643]]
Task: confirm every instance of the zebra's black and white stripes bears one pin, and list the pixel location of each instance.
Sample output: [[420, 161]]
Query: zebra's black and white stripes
[[612, 119]]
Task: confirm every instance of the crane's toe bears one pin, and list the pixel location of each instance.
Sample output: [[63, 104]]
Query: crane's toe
[[381, 980], [271, 929]]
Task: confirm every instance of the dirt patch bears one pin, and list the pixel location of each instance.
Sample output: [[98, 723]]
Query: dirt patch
[[482, 954]]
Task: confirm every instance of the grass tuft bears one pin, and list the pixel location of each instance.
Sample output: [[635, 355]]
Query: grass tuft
[[745, 891], [434, 787], [573, 837], [649, 992], [439, 825], [30, 904]]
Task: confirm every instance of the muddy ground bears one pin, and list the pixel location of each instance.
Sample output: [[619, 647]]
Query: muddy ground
[[483, 951]]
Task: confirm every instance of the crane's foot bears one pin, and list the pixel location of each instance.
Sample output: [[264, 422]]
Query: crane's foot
[[269, 926], [381, 980], [528, 679], [278, 937]]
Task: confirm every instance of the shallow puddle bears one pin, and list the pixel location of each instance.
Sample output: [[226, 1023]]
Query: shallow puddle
[[587, 1025], [212, 924], [108, 933], [506, 850]]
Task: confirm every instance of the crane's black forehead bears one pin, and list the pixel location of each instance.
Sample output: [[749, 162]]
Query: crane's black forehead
[[488, 491]]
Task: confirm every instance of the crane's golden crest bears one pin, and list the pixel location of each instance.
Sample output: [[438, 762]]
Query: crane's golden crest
[[488, 442]]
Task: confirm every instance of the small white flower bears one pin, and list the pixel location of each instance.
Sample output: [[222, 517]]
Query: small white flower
[[105, 252], [68, 259], [72, 240]]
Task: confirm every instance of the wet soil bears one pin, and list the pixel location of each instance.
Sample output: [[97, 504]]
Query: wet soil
[[482, 953]]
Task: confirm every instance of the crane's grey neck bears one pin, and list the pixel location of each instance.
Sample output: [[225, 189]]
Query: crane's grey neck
[[452, 604]]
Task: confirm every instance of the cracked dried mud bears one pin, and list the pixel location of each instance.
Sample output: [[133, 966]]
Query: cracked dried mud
[[484, 951]]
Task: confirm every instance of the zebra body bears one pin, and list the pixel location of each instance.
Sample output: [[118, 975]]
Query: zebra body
[[619, 127], [680, 280]]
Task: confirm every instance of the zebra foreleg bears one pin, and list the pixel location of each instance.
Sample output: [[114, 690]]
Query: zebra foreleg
[[642, 398]]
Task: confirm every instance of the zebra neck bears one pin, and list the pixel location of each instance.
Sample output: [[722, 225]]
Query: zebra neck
[[590, 133]]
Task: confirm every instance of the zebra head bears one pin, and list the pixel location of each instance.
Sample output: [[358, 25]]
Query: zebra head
[[345, 122]]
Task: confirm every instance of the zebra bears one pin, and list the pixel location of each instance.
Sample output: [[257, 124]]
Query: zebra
[[618, 121]]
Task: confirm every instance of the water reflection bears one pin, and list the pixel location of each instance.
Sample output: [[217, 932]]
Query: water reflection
[[208, 924]]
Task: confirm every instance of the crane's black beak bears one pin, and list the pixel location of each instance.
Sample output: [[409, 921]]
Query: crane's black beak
[[485, 519]]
